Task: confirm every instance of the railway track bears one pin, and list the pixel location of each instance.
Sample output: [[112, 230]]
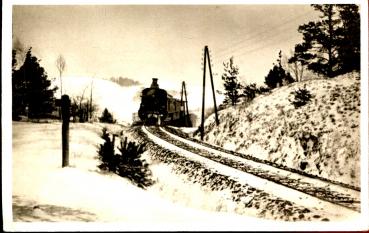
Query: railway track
[[304, 190]]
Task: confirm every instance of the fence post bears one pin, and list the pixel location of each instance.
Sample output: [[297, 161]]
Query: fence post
[[65, 106]]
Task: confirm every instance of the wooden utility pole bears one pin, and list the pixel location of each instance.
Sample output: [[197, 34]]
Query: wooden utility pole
[[189, 123], [90, 104], [212, 88], [207, 58], [182, 111], [203, 96], [184, 106], [65, 106]]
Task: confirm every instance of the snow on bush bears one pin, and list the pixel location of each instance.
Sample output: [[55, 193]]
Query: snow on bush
[[128, 163]]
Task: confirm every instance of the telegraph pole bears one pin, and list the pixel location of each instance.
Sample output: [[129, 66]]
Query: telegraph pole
[[189, 123], [207, 58], [212, 87], [203, 96], [184, 106]]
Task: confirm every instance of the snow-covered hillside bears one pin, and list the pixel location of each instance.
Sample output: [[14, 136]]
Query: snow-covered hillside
[[321, 138], [120, 101]]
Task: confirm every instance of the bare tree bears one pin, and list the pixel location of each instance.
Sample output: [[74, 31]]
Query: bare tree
[[297, 69], [82, 107], [60, 64], [293, 66]]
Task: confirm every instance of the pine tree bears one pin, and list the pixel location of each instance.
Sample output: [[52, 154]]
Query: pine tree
[[132, 166], [349, 44], [320, 42], [278, 76], [250, 91], [331, 46], [231, 84], [106, 153], [107, 117], [128, 163], [32, 95], [301, 97]]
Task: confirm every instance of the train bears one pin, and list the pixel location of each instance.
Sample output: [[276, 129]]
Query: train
[[157, 107]]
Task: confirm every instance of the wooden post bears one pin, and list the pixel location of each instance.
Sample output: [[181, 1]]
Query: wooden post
[[65, 106], [188, 120], [184, 107], [182, 111], [203, 97], [212, 86]]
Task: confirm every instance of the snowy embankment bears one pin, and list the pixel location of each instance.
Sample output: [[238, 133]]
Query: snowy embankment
[[295, 206], [321, 138], [291, 179], [43, 191]]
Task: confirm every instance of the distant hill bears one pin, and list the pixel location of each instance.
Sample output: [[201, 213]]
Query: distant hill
[[120, 101], [125, 82], [321, 137]]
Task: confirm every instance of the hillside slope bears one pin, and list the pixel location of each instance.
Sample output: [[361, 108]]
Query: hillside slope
[[120, 101], [321, 137]]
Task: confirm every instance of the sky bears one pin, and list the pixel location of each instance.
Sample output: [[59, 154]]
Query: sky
[[142, 42]]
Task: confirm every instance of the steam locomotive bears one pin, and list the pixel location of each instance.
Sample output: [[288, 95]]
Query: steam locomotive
[[158, 107]]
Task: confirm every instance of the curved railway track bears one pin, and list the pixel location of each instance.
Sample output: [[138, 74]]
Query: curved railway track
[[295, 187]]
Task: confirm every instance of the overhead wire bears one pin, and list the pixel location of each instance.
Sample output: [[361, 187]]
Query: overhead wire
[[273, 41], [268, 31], [233, 51]]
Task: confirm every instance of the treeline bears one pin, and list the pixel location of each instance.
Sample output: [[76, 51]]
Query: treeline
[[33, 96], [330, 47], [83, 109]]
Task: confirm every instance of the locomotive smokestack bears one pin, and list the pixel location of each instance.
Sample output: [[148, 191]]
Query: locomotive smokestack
[[154, 83]]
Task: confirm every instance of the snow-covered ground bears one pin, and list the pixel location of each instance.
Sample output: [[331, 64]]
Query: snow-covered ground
[[321, 138], [43, 191], [47, 197]]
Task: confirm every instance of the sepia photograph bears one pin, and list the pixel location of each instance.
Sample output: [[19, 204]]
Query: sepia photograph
[[185, 116]]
